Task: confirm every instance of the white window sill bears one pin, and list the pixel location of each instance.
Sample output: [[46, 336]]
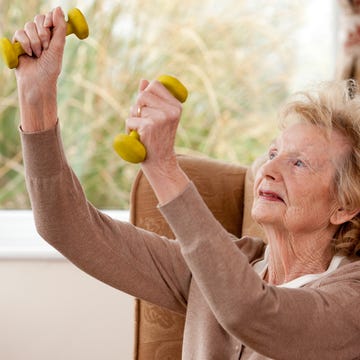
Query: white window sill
[[19, 239]]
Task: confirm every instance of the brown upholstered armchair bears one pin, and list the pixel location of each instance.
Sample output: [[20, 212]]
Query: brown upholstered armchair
[[227, 190]]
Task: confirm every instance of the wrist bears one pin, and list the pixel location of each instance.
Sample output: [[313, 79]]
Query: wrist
[[168, 180], [161, 170], [38, 107], [31, 90]]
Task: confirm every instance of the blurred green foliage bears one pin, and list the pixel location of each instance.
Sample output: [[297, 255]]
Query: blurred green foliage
[[235, 57]]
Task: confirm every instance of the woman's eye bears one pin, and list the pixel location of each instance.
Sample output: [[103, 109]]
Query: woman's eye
[[272, 154], [299, 163]]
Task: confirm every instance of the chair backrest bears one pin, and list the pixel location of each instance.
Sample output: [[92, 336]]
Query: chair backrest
[[158, 331]]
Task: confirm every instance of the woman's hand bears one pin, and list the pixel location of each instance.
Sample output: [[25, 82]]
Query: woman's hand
[[43, 41], [156, 116], [156, 122]]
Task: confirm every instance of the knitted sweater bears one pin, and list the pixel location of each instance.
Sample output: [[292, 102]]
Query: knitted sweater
[[205, 273]]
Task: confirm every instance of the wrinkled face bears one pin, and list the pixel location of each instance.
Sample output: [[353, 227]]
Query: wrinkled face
[[294, 188]]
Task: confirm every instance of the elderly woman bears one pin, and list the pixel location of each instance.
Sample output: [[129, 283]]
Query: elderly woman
[[296, 298]]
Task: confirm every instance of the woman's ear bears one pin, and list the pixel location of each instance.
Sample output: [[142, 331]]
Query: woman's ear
[[342, 215]]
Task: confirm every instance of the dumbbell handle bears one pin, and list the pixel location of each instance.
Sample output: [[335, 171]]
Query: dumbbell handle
[[76, 24], [129, 147]]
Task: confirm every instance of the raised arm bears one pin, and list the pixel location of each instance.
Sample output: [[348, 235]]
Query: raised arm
[[159, 117], [43, 41], [130, 259]]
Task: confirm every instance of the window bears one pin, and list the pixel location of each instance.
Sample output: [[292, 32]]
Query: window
[[239, 59]]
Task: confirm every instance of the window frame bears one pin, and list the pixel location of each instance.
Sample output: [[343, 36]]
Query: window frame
[[20, 240]]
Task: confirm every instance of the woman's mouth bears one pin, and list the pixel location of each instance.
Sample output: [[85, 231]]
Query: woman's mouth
[[270, 196]]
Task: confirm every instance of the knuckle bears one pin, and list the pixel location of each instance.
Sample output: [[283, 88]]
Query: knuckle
[[128, 122], [176, 112], [39, 18], [141, 98], [43, 34], [35, 43], [29, 25], [19, 33]]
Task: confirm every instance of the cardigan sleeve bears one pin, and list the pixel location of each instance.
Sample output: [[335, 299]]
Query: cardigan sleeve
[[320, 322], [128, 258]]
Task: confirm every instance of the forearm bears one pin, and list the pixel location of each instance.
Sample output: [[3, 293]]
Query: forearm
[[167, 180], [38, 106]]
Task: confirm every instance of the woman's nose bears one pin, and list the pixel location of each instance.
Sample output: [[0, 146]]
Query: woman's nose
[[271, 169]]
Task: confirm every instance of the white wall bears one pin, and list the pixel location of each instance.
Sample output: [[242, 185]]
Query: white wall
[[50, 310]]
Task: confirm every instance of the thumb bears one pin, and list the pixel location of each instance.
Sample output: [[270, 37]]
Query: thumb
[[57, 42]]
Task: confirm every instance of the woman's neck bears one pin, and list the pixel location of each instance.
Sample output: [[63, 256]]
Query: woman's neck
[[292, 256]]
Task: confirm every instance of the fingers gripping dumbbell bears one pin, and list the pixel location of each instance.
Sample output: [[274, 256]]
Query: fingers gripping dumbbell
[[76, 24], [129, 146]]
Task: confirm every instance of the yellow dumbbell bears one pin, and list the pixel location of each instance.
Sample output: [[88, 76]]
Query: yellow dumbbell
[[129, 147], [76, 24]]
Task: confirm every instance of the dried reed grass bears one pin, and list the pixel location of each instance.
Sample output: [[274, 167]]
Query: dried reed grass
[[235, 56]]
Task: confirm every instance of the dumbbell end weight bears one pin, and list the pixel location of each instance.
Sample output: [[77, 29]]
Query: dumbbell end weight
[[10, 52], [129, 147], [174, 86], [77, 24]]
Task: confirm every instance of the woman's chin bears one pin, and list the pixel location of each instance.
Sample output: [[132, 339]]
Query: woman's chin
[[265, 215]]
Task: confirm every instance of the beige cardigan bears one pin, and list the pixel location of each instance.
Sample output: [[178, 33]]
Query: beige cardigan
[[206, 273]]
